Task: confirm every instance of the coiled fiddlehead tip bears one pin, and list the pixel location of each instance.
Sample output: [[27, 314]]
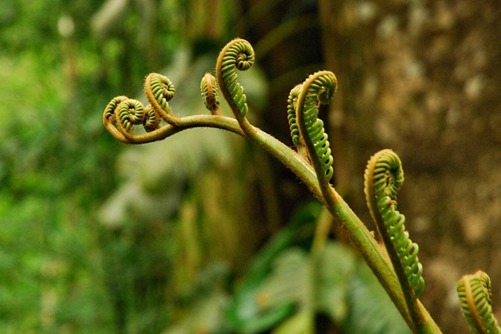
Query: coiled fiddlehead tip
[[475, 297], [208, 86], [129, 113], [110, 118], [237, 54], [109, 111], [159, 91], [151, 119], [318, 89], [385, 166], [384, 177]]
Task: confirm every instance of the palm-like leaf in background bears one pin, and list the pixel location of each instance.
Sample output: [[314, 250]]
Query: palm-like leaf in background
[[298, 285]]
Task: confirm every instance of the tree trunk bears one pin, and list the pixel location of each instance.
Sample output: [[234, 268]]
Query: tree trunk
[[420, 77]]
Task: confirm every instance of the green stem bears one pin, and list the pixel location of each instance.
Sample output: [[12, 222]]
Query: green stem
[[355, 229], [188, 122]]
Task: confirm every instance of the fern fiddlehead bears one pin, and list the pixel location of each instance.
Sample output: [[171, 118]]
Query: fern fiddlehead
[[383, 178], [109, 111], [151, 119], [236, 55], [475, 297], [317, 90], [159, 90], [208, 87], [110, 118], [130, 112]]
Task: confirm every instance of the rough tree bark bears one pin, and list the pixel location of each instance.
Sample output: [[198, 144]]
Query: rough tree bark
[[421, 77]]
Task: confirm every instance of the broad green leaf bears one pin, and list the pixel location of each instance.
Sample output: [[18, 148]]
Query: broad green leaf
[[335, 270], [371, 310], [244, 313]]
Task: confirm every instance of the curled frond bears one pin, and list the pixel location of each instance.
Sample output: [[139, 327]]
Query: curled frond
[[475, 297], [159, 91], [237, 54], [129, 113], [151, 119], [208, 86], [318, 89], [109, 118], [383, 178], [109, 111], [291, 114]]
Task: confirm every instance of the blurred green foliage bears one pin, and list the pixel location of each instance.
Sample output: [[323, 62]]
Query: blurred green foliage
[[56, 163]]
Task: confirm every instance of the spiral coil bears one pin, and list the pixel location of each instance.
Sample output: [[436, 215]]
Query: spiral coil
[[238, 54], [475, 297], [383, 178], [151, 119], [318, 89], [159, 91], [109, 111], [208, 87], [130, 112]]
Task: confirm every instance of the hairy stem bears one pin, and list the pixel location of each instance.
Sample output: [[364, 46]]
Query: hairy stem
[[188, 122]]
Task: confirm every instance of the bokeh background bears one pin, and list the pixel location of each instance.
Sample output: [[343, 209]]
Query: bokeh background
[[204, 233]]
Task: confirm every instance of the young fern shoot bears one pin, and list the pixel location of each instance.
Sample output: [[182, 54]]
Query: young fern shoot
[[475, 297], [236, 55], [383, 178], [208, 86], [318, 89], [159, 90]]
